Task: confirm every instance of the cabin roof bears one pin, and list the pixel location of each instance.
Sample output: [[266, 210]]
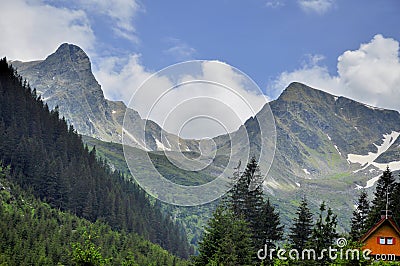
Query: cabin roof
[[378, 225]]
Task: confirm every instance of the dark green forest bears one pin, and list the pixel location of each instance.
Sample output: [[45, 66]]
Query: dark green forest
[[34, 233], [48, 159]]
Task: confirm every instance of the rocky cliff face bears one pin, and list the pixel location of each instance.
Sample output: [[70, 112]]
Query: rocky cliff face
[[318, 133], [65, 79]]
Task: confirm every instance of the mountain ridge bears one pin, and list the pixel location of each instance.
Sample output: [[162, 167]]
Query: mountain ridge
[[316, 132], [65, 79]]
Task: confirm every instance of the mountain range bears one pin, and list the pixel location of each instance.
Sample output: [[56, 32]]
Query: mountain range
[[65, 79], [327, 146]]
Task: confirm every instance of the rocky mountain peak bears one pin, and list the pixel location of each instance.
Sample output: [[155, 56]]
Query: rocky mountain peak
[[296, 92], [70, 53], [65, 79], [69, 61]]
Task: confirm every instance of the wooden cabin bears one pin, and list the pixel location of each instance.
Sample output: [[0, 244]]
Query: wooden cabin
[[383, 238]]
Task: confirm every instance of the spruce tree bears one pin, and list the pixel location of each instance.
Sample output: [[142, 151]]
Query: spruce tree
[[301, 230], [226, 241], [247, 200], [272, 230], [384, 195], [360, 216], [324, 231], [396, 202], [249, 203]]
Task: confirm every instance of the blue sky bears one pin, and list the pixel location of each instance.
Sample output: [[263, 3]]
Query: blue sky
[[344, 47], [258, 38]]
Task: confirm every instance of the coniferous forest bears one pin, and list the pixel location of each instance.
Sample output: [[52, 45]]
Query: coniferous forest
[[34, 233], [48, 159]]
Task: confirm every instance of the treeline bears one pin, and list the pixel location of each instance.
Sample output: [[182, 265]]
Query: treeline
[[48, 158], [33, 233], [245, 229]]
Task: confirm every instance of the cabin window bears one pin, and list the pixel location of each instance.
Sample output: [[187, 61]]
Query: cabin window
[[386, 240]]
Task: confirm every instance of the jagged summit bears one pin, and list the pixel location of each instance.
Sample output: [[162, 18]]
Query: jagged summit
[[65, 79], [67, 56]]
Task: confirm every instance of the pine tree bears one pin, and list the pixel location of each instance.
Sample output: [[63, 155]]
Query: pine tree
[[226, 241], [384, 197], [272, 230], [301, 230], [244, 202], [396, 202], [360, 216], [247, 201], [324, 231]]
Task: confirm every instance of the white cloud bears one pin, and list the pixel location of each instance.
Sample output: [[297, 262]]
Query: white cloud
[[32, 30], [274, 3], [370, 74], [120, 77], [121, 12], [230, 107], [317, 6], [179, 49]]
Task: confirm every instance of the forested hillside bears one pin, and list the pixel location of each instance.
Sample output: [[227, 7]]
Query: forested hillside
[[49, 159], [33, 233]]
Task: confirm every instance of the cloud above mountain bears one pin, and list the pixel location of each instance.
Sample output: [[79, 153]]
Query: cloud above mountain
[[370, 74], [32, 29], [207, 109], [121, 13]]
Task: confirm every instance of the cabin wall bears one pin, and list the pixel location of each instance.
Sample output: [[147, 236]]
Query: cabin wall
[[372, 242]]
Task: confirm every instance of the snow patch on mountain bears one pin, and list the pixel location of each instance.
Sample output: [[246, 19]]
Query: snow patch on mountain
[[373, 107], [328, 137], [358, 187], [337, 149], [369, 160], [366, 160], [161, 146], [135, 141], [306, 171], [372, 181]]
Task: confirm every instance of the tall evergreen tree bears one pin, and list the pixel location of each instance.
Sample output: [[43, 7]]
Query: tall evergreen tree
[[272, 230], [324, 231], [396, 202], [301, 230], [384, 197], [360, 216], [247, 200], [226, 241]]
